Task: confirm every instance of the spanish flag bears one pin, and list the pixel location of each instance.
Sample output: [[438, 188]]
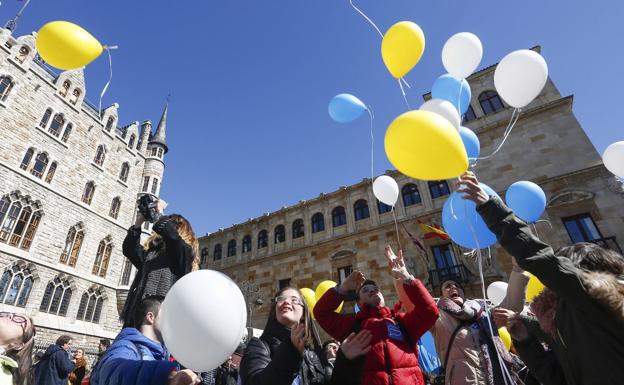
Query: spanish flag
[[434, 231]]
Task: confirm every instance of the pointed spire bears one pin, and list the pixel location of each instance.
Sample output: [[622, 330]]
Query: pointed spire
[[11, 25], [161, 130]]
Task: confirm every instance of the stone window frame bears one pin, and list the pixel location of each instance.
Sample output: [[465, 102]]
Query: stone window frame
[[339, 216], [102, 257], [126, 272], [383, 208], [318, 222], [100, 155], [115, 208], [21, 288], [410, 195], [246, 244], [361, 210], [231, 248], [263, 239], [6, 86], [22, 54], [19, 220], [88, 193], [131, 141], [125, 172], [279, 234], [53, 303], [217, 253], [298, 228], [73, 245], [91, 304], [109, 124], [438, 188], [490, 102]]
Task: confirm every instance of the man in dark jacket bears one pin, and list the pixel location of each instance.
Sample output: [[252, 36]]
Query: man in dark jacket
[[138, 357], [226, 374], [55, 365], [584, 331]]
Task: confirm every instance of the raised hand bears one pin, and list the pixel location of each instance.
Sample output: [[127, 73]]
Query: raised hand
[[516, 328], [397, 264], [501, 316], [184, 377], [356, 345], [352, 282], [472, 190], [298, 337]]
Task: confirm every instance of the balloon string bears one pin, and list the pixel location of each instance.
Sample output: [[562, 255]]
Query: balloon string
[[404, 96], [366, 17], [545, 220], [535, 230], [406, 83], [396, 226], [110, 76], [512, 122], [370, 114]]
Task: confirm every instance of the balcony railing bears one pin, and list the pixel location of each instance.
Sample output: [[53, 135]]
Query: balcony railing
[[608, 243], [457, 273]]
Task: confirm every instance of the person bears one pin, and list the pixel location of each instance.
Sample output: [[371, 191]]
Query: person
[[226, 374], [286, 352], [393, 358], [330, 348], [76, 376], [102, 346], [55, 365], [580, 314], [169, 253], [17, 338], [138, 357]]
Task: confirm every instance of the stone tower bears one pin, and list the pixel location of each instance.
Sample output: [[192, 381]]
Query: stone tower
[[154, 155]]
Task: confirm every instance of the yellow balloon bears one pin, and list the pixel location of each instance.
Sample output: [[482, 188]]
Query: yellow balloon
[[426, 146], [66, 45], [310, 298], [534, 288], [402, 47], [322, 288], [505, 336]]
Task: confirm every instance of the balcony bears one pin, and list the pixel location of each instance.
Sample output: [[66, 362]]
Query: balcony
[[608, 243], [457, 273]]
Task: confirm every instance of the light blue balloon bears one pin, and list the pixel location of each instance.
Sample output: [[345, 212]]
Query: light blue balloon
[[527, 200], [344, 108], [471, 143], [457, 213], [448, 87]]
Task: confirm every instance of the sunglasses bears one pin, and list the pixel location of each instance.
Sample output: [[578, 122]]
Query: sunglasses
[[16, 318], [292, 300]]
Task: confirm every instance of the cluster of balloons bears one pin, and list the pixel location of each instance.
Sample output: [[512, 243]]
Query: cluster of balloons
[[201, 331], [613, 158], [497, 290], [66, 45], [311, 296]]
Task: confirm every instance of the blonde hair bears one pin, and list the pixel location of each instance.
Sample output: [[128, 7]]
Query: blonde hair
[[185, 231]]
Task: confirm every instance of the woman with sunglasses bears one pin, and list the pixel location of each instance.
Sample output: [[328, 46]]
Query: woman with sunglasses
[[17, 337], [288, 350]]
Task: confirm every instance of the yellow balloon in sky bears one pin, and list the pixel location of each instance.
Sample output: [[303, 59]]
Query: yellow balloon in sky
[[66, 45], [310, 298], [425, 145], [322, 288], [505, 336], [534, 288], [402, 47]]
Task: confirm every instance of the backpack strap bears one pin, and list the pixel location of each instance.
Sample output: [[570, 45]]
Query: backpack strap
[[450, 344]]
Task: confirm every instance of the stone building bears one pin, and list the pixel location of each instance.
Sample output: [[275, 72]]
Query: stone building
[[69, 181], [335, 233]]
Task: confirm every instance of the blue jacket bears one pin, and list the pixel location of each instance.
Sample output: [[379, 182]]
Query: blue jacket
[[54, 367], [133, 359]]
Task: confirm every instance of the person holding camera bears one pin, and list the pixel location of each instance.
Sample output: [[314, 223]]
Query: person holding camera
[[169, 253]]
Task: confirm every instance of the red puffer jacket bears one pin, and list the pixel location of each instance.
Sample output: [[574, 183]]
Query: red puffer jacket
[[391, 361]]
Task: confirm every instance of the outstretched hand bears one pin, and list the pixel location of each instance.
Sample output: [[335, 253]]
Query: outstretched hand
[[352, 282], [396, 264], [473, 191], [356, 345]]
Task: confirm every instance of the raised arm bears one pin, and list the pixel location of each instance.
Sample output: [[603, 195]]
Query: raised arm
[[132, 248], [337, 325], [179, 252]]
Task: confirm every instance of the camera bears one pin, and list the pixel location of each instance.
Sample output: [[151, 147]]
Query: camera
[[146, 205]]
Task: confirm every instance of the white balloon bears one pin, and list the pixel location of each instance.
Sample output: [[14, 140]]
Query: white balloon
[[496, 292], [613, 158], [520, 77], [444, 108], [386, 190], [462, 54], [202, 319]]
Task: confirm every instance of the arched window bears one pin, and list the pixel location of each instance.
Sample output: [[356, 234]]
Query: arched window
[[263, 239], [204, 256], [87, 195], [246, 243], [109, 123], [145, 183], [6, 84], [27, 158], [490, 102], [383, 208], [15, 286], [127, 270], [56, 297], [360, 210], [154, 151], [66, 133], [155, 186], [102, 258], [161, 153], [125, 170], [131, 140], [100, 155], [75, 96], [65, 88], [90, 307], [318, 223], [231, 248], [438, 188], [41, 163], [19, 219], [216, 255], [469, 115], [51, 171], [46, 118], [22, 54], [297, 228], [73, 244], [280, 234], [339, 216], [57, 125], [115, 206], [411, 195]]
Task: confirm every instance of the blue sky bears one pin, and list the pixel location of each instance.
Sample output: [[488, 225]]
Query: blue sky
[[250, 81]]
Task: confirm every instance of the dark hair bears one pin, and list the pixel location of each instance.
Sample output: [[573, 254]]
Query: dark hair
[[105, 342], [329, 341], [306, 318], [149, 304], [23, 375], [62, 340], [366, 282], [591, 257], [459, 285]]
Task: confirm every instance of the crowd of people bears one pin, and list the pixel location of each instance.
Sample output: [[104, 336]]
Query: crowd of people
[[570, 334]]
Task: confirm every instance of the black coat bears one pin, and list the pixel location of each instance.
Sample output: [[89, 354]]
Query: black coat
[[589, 344], [226, 376], [157, 270], [54, 367]]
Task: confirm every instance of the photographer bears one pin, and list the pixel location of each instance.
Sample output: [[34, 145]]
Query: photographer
[[167, 254]]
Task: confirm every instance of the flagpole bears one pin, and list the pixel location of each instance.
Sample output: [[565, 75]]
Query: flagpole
[[12, 24]]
